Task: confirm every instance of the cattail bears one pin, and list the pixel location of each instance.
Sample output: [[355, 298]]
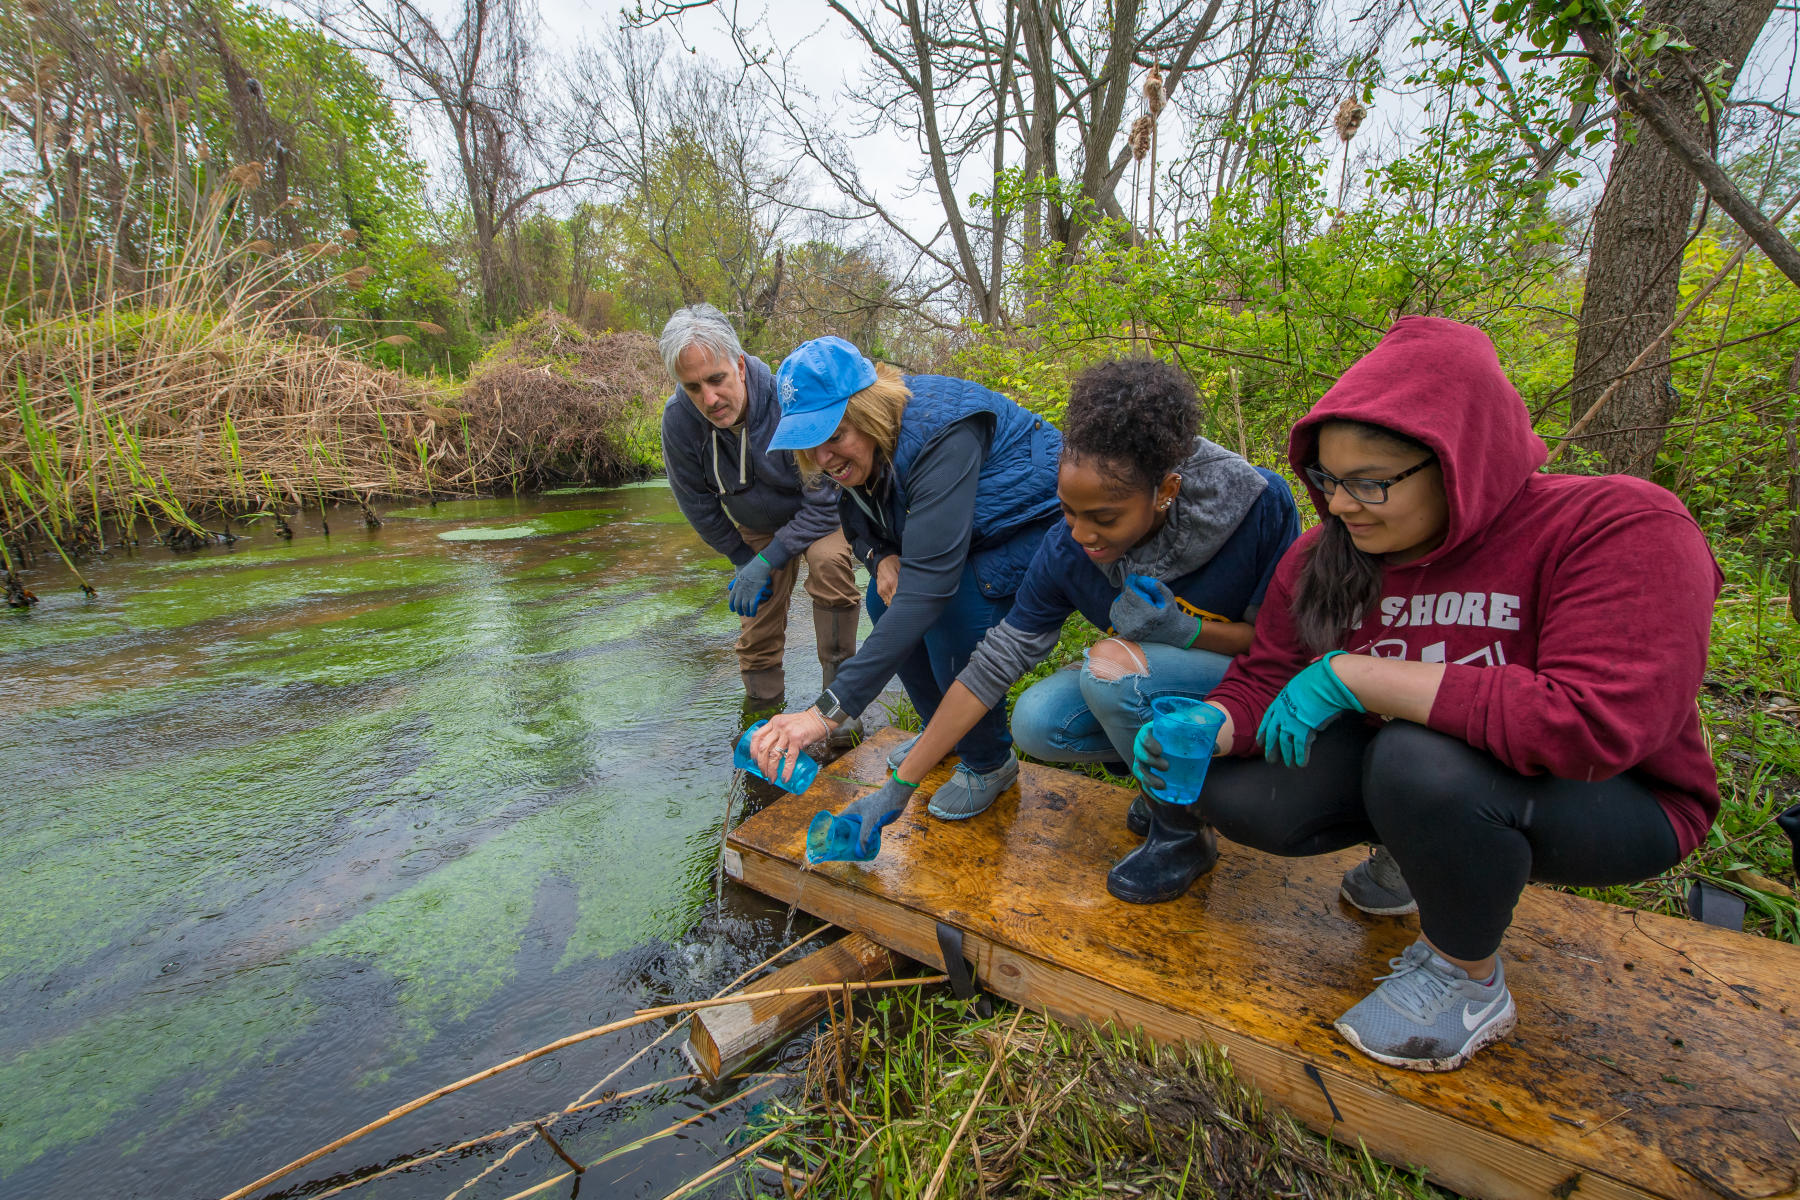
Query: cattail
[[48, 66], [432, 328], [348, 235], [90, 128], [331, 249], [1139, 139], [247, 176], [203, 152], [312, 249], [19, 93], [165, 63], [1350, 115], [1154, 95], [260, 246], [33, 8], [181, 110], [357, 276], [48, 133], [396, 339], [146, 121]]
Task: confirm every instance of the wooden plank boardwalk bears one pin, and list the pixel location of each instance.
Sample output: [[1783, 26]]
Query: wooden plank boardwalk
[[1653, 1057]]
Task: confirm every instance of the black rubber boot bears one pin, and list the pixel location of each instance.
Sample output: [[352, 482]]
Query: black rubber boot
[[1137, 817], [1179, 848]]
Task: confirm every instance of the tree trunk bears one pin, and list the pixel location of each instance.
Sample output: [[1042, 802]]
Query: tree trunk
[[1634, 268]]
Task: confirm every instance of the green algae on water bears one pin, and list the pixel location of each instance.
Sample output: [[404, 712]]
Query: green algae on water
[[567, 521], [479, 509]]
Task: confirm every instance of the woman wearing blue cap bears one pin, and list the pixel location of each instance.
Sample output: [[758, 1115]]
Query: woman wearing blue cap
[[947, 489]]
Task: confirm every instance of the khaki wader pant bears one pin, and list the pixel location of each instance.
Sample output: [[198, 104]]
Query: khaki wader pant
[[837, 604]]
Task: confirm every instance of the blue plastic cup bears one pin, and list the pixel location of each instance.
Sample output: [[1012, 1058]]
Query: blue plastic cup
[[831, 838], [799, 773], [1187, 730]]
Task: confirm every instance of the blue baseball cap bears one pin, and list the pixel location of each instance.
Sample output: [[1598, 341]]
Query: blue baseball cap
[[814, 385]]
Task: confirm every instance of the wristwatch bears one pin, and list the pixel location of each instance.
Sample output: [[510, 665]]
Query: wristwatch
[[830, 708]]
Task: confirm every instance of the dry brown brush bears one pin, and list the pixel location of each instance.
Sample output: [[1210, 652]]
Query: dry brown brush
[[172, 414], [558, 403]]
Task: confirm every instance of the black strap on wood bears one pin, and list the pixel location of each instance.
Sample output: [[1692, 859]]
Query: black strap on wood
[[1790, 824], [1312, 1073], [1715, 906], [962, 979]]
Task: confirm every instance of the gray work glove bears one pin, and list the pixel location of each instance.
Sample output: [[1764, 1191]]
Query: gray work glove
[[880, 807], [751, 586], [1146, 611]]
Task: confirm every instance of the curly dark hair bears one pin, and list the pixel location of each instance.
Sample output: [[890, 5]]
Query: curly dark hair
[[1133, 418]]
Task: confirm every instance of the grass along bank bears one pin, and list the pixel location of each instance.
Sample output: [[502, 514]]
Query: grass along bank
[[913, 1096]]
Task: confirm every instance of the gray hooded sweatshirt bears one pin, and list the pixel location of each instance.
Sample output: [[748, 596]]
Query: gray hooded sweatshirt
[[723, 478]]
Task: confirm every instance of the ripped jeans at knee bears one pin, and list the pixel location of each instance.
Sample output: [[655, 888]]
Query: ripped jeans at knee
[[1092, 713]]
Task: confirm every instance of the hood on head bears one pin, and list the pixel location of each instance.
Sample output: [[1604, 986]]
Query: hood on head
[[1437, 381]]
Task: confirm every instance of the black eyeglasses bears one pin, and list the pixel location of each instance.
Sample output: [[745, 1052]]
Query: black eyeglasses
[[1368, 491]]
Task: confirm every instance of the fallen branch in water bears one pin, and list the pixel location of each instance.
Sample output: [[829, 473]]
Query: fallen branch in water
[[581, 1103], [642, 1016], [722, 1167]]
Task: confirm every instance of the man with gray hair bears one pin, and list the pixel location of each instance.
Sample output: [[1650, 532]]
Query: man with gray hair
[[751, 505]]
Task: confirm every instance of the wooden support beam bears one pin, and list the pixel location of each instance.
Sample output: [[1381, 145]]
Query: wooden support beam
[[725, 1038], [1654, 1056]]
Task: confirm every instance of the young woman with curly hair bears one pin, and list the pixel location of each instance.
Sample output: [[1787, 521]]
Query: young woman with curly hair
[[1141, 495]]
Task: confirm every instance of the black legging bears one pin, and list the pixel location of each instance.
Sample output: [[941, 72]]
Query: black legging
[[1467, 831]]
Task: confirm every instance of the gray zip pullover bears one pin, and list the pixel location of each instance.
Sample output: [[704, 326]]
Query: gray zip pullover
[[723, 478]]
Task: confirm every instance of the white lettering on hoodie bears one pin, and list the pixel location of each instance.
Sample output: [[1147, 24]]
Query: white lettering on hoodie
[[1487, 610]]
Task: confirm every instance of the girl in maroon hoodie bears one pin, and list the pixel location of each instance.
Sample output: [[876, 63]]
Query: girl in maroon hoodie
[[1527, 649]]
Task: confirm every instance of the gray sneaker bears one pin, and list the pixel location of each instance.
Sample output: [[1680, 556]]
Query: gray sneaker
[[969, 792], [1429, 1015], [898, 754], [1375, 885]]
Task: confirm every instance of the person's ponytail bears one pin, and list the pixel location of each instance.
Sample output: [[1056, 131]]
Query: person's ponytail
[[1337, 587]]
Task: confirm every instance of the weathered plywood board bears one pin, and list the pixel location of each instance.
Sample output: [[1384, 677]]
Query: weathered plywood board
[[1654, 1056], [724, 1038]]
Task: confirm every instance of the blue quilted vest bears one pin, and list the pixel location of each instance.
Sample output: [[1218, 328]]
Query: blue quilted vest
[[1016, 492]]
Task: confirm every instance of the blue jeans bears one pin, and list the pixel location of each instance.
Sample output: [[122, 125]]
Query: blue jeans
[[1076, 716], [931, 667]]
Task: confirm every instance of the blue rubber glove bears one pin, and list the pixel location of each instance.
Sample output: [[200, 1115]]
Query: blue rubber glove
[[1147, 761], [880, 807], [1146, 611], [1311, 700], [751, 586]]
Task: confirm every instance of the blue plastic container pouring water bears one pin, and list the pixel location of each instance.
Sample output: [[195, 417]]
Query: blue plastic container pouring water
[[831, 838], [798, 776]]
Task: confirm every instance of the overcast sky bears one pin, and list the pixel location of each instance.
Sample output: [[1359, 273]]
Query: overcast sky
[[830, 61]]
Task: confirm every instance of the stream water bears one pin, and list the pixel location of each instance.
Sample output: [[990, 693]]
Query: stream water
[[298, 831]]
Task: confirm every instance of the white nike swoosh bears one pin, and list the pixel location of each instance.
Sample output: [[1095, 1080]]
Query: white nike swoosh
[[1472, 1019]]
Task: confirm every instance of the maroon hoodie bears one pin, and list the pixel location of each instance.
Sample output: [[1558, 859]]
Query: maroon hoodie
[[1573, 612]]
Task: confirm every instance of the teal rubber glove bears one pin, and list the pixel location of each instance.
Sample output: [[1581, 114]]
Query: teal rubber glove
[[880, 807], [1146, 611], [1311, 700], [751, 586], [1147, 761]]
